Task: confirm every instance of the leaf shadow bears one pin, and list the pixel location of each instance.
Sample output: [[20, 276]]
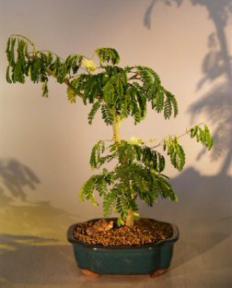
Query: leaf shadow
[[33, 246], [204, 211]]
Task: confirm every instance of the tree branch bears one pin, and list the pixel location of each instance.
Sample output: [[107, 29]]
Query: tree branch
[[178, 137]]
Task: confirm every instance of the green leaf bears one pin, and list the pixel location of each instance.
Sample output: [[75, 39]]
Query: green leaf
[[93, 111], [166, 189], [10, 51], [173, 102], [91, 88], [96, 154], [109, 93], [107, 115], [35, 70], [176, 152], [108, 55], [45, 89], [202, 135], [208, 138], [109, 202], [8, 77], [147, 75], [72, 96], [87, 190], [158, 101], [167, 108], [73, 63]]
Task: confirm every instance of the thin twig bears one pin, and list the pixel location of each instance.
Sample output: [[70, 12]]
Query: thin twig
[[178, 137], [35, 51], [25, 38]]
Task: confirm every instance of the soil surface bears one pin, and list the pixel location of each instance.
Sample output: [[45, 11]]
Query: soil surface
[[106, 232]]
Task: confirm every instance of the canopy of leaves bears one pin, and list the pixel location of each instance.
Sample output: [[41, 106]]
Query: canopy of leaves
[[138, 173], [117, 92], [176, 152], [110, 89]]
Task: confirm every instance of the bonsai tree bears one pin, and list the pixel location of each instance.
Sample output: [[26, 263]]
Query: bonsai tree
[[118, 93]]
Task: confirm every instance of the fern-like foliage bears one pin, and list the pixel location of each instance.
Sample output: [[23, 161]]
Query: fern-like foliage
[[175, 151], [118, 93], [109, 88], [70, 94], [137, 174], [202, 135], [108, 55], [107, 114], [160, 98], [93, 111], [25, 61]]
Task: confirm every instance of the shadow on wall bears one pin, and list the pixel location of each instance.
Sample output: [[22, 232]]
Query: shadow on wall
[[21, 216], [15, 177], [32, 234], [204, 212], [217, 103]]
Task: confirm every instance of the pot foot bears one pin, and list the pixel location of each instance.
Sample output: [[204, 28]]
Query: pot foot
[[89, 273], [158, 273]]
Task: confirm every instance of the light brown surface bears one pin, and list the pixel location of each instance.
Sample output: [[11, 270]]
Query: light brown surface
[[202, 256], [54, 266]]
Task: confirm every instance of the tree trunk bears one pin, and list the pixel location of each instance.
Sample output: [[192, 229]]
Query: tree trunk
[[130, 218], [116, 129], [117, 139]]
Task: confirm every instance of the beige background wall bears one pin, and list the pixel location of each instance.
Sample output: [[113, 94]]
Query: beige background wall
[[45, 143]]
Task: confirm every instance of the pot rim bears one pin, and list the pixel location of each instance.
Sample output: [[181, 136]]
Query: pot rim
[[172, 239]]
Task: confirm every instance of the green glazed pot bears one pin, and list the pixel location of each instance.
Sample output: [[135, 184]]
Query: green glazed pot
[[124, 260]]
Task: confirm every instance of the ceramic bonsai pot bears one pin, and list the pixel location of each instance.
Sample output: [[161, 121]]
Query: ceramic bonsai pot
[[153, 259]]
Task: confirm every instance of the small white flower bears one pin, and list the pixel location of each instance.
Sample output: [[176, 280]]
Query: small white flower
[[135, 141], [89, 65]]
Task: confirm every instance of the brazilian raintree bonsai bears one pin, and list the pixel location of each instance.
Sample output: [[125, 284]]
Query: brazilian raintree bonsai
[[117, 93]]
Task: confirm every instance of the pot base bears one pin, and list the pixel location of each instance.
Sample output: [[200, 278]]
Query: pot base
[[158, 273], [90, 273], [150, 259], [94, 275]]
